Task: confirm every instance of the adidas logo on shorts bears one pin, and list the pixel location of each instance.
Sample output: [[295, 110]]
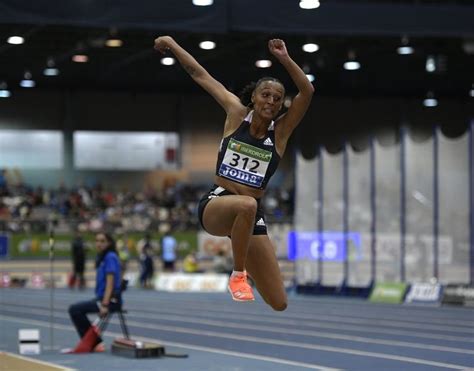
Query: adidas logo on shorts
[[268, 142], [261, 222]]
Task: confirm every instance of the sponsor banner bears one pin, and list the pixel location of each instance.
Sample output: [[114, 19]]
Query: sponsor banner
[[329, 246], [191, 282], [4, 245], [424, 293], [388, 292], [459, 295]]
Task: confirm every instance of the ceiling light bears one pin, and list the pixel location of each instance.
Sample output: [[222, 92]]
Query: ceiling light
[[114, 43], [80, 58], [471, 92], [310, 77], [203, 2], [207, 45], [309, 4], [310, 47], [430, 64], [4, 92], [168, 61], [405, 50], [51, 71], [351, 65], [27, 81], [15, 40], [263, 63], [430, 100]]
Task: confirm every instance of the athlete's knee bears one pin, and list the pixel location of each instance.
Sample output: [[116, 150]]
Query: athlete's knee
[[248, 205]]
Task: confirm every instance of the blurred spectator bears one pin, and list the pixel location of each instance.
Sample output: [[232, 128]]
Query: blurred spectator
[[3, 182], [169, 246], [147, 268], [222, 262], [190, 264], [78, 254], [95, 208], [123, 252]]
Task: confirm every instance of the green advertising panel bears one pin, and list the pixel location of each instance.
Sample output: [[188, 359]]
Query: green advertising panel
[[388, 292], [36, 245]]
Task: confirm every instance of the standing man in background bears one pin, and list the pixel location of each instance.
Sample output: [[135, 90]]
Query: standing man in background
[[168, 251], [78, 254], [147, 266]]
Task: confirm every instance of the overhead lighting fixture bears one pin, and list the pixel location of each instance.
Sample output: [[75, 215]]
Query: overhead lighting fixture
[[263, 63], [310, 77], [430, 100], [27, 81], [80, 58], [310, 47], [351, 64], [113, 43], [168, 61], [405, 50], [207, 45], [471, 92], [15, 40], [51, 71], [203, 2], [4, 92], [309, 4], [430, 64]]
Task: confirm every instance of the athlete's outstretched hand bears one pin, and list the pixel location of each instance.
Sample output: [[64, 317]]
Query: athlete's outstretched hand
[[278, 48], [163, 43]]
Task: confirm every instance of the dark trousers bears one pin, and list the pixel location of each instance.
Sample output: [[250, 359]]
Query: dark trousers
[[78, 313]]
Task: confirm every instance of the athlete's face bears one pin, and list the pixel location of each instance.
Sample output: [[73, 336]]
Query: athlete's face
[[267, 99], [101, 242]]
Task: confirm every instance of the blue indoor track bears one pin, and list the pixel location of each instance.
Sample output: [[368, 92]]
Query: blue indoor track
[[318, 333]]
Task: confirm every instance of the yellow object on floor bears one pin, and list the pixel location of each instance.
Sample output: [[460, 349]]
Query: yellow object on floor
[[14, 362]]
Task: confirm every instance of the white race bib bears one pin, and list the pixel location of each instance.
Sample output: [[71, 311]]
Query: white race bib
[[245, 164]]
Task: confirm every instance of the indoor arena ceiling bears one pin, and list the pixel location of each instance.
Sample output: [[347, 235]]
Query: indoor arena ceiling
[[441, 63]]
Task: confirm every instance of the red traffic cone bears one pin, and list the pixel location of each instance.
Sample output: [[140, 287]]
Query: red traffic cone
[[88, 341]]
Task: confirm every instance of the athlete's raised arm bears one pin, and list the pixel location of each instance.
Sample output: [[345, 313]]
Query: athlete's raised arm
[[302, 100], [225, 98]]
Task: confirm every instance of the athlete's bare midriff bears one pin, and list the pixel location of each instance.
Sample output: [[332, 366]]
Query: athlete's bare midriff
[[238, 189]]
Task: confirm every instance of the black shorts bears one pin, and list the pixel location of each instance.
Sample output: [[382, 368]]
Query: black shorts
[[217, 191]]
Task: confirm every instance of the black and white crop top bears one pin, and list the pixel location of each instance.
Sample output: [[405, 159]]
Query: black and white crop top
[[248, 160]]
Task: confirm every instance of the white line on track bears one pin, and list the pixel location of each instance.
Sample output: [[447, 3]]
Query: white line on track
[[185, 346], [292, 344]]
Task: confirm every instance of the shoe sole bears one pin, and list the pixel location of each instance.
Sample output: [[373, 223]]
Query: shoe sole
[[236, 299]]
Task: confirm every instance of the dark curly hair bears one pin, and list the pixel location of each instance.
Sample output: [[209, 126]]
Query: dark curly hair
[[246, 93]]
